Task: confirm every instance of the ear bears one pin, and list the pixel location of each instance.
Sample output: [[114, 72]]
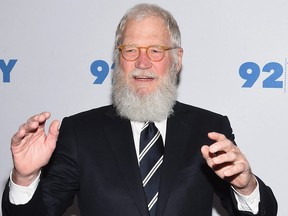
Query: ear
[[179, 62]]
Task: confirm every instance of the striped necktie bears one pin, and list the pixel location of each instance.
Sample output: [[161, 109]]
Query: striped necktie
[[151, 158]]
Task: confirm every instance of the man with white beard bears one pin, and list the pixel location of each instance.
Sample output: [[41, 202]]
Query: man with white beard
[[100, 153]]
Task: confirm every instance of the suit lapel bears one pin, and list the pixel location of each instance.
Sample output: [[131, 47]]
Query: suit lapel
[[177, 134], [119, 134]]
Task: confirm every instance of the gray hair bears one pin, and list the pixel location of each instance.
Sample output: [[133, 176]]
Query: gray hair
[[141, 11]]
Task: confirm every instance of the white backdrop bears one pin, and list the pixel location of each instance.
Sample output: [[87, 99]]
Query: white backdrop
[[48, 47]]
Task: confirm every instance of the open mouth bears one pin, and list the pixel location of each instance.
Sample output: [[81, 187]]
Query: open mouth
[[143, 77]]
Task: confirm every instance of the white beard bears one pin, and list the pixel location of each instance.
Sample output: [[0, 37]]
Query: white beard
[[154, 107]]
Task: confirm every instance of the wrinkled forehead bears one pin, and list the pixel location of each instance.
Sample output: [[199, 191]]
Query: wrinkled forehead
[[151, 30]]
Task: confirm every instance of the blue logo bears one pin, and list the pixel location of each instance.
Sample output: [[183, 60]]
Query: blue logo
[[275, 75], [7, 68], [100, 69]]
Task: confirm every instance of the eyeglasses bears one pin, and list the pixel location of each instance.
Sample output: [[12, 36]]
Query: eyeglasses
[[155, 53]]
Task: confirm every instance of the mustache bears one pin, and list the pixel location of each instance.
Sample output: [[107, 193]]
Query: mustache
[[143, 73]]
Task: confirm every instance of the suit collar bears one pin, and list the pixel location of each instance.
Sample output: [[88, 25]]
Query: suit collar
[[123, 149], [177, 134]]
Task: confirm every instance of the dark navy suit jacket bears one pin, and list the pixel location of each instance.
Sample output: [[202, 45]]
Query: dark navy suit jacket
[[95, 159]]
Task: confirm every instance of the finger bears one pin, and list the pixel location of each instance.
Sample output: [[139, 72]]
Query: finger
[[229, 157], [207, 155], [205, 151], [37, 121], [34, 122], [235, 169], [23, 131], [53, 132], [40, 118], [216, 136], [217, 146], [222, 144]]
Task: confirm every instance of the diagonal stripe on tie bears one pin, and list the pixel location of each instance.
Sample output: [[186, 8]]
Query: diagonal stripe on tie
[[152, 171], [149, 145], [153, 201], [151, 158]]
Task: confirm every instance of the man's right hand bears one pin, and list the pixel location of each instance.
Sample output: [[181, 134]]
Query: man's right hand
[[32, 148]]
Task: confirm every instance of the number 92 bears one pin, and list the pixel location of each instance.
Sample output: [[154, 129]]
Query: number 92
[[250, 72]]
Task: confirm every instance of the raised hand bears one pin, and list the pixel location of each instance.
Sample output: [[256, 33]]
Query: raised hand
[[32, 148], [229, 163]]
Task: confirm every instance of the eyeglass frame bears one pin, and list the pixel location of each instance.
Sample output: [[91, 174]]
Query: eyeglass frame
[[165, 48]]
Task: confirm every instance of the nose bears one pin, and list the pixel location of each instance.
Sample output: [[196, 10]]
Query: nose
[[143, 62]]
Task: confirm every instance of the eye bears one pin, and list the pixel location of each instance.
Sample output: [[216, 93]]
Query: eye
[[129, 49], [155, 50]]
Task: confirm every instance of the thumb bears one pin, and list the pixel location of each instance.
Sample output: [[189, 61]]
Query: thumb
[[216, 136], [54, 128], [53, 133]]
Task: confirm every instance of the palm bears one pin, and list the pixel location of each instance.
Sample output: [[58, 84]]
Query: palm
[[32, 153], [31, 147]]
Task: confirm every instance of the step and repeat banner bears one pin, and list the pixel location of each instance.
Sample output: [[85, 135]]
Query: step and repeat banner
[[56, 56]]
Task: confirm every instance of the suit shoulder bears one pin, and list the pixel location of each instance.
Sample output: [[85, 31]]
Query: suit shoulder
[[203, 118], [189, 109], [97, 113]]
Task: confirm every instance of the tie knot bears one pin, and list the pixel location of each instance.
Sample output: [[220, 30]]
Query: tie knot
[[148, 124], [150, 128], [149, 134]]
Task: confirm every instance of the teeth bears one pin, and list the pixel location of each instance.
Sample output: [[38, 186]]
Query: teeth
[[139, 74], [143, 77]]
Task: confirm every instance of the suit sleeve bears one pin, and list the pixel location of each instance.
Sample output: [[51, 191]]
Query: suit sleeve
[[35, 207], [58, 184]]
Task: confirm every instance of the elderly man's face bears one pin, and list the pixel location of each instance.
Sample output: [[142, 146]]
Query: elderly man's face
[[143, 33]]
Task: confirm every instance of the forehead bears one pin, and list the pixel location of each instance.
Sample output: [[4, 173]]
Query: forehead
[[146, 31]]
